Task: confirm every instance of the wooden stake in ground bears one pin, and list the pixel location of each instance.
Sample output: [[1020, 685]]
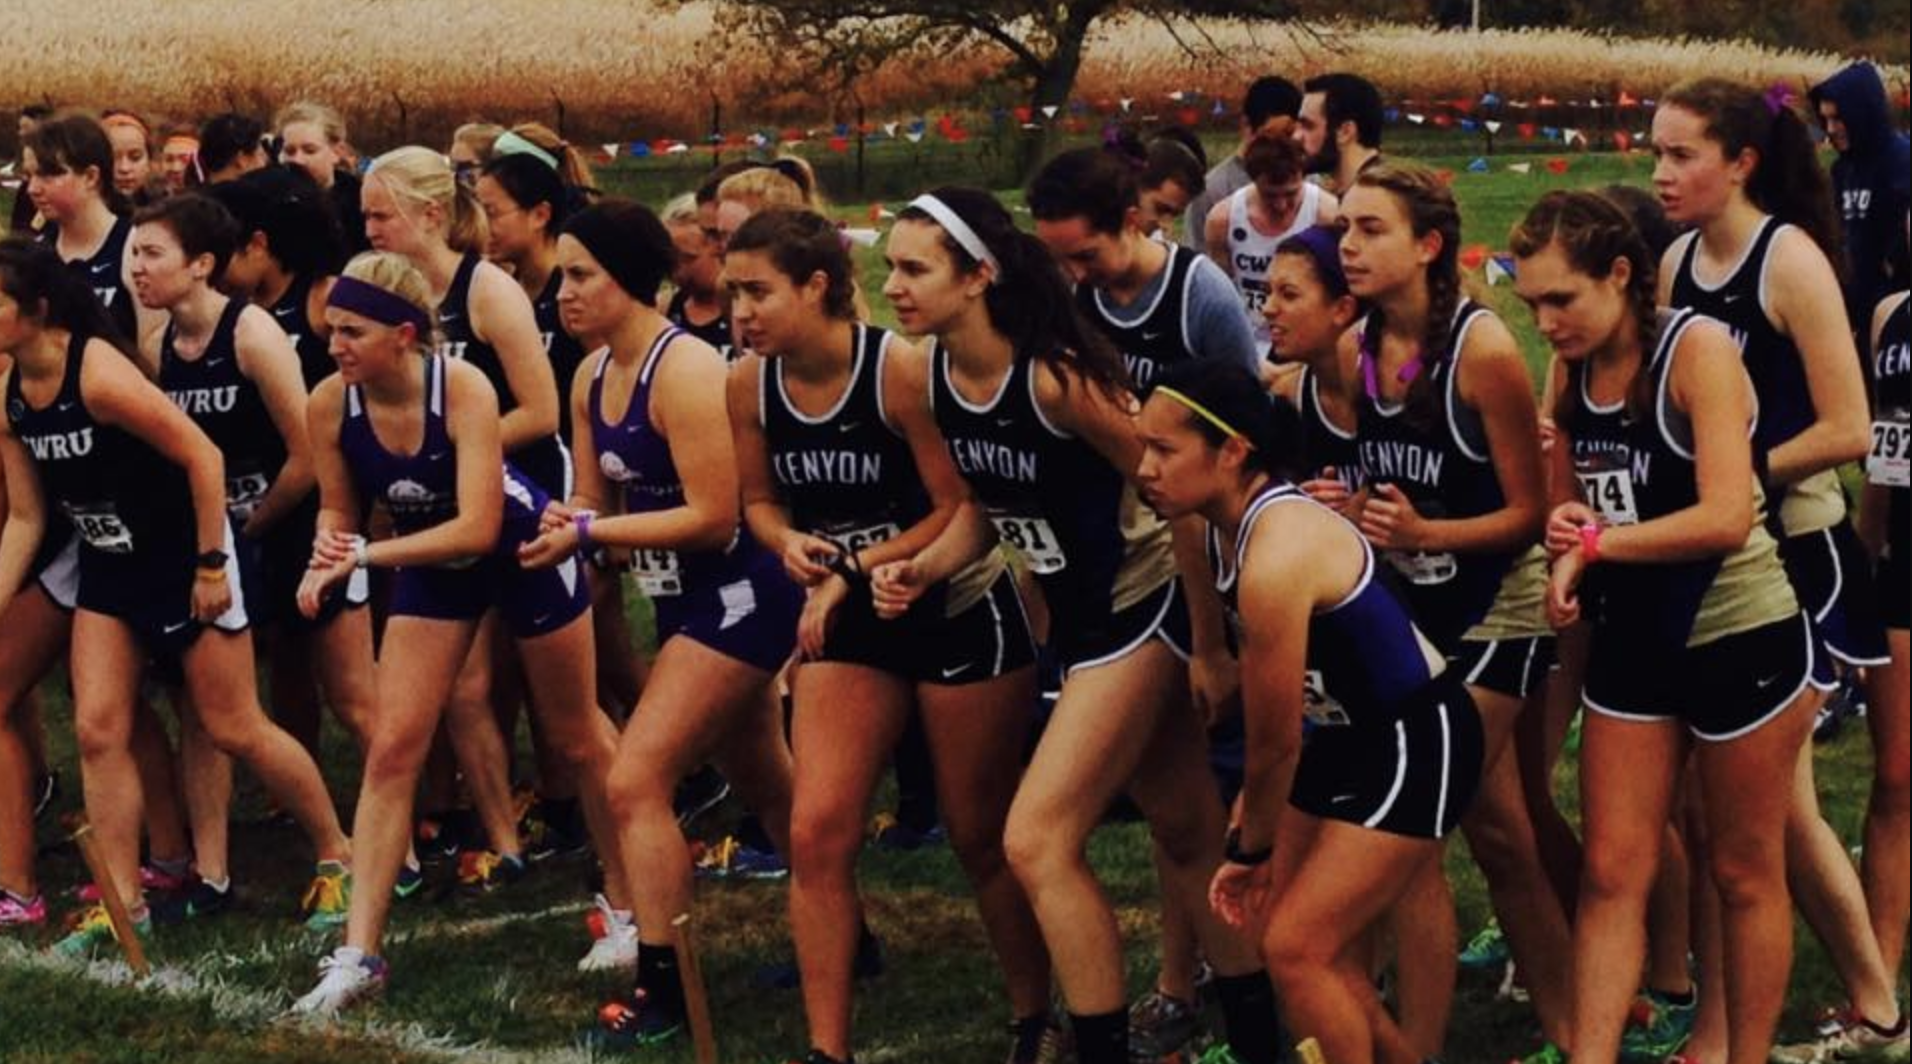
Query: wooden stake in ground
[[1310, 1052], [110, 896], [696, 1005]]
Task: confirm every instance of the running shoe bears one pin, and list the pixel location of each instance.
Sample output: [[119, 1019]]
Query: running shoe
[[731, 858], [615, 932], [1852, 1038], [1488, 949], [152, 880], [634, 1023], [699, 793], [1038, 1040], [553, 831], [92, 928], [329, 897], [483, 871], [1548, 1053], [889, 833], [16, 911], [411, 880], [434, 840], [1657, 1028], [46, 791], [1160, 1025], [347, 977], [196, 902]]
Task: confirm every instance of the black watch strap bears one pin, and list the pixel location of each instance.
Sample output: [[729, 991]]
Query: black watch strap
[[212, 559], [1235, 855]]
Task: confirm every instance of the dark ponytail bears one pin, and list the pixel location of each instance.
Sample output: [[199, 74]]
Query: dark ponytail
[[284, 203], [55, 295], [1030, 302], [1226, 389], [1787, 182]]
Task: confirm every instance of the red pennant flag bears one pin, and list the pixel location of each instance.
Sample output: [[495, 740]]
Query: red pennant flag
[[1464, 106], [1557, 165], [956, 134], [1547, 101], [1445, 177], [791, 136], [1189, 116], [1623, 140], [1627, 99], [1474, 256], [1444, 121], [876, 213], [1024, 114], [1529, 131], [839, 144]]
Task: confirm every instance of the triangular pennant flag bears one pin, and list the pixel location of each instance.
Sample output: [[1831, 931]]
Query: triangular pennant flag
[[1417, 119], [1468, 125], [1177, 95], [1473, 256], [1572, 135], [1444, 176], [1024, 114], [1550, 132], [1049, 110], [1623, 140], [1478, 166], [839, 144], [1527, 130], [1443, 121], [677, 149], [889, 130], [1219, 109], [1547, 101], [914, 136], [1127, 103], [1627, 99], [863, 238], [1488, 99], [1558, 165], [1392, 115], [1520, 168], [611, 149], [640, 150], [1500, 270], [1493, 125]]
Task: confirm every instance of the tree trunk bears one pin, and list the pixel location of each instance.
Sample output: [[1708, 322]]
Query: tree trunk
[[1053, 84]]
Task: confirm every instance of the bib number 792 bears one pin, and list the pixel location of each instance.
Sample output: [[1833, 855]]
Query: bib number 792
[[1889, 463]]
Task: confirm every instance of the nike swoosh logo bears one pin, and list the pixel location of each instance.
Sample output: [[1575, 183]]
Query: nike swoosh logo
[[949, 674], [1732, 299], [1151, 337], [179, 627], [1768, 682], [1005, 422], [849, 426], [1341, 798]]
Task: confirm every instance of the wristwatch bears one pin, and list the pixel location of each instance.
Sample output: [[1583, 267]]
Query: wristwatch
[[212, 559]]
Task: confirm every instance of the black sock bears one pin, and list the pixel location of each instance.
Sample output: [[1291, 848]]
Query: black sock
[[564, 814], [1102, 1038], [658, 977], [1679, 1001], [1248, 1016]]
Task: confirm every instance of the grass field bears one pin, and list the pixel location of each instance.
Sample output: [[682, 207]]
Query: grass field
[[493, 978]]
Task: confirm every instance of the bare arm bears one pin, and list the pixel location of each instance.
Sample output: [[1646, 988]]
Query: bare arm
[[763, 509], [25, 513], [339, 505], [589, 488], [267, 358], [1215, 237], [501, 315], [1808, 306]]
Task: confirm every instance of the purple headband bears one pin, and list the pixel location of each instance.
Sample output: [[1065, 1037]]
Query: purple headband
[[382, 306], [1322, 243]]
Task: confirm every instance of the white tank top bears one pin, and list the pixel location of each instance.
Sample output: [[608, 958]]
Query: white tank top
[[1251, 254]]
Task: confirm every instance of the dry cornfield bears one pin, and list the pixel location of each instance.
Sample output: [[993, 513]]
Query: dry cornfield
[[622, 70]]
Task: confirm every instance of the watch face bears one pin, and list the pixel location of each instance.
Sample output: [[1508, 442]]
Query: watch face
[[213, 559]]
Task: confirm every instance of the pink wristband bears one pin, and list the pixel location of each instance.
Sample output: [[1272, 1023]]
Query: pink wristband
[[1590, 543]]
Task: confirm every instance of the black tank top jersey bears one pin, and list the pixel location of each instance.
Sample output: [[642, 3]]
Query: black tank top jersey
[[1050, 495], [846, 473], [543, 460], [1892, 425], [715, 332], [1445, 469], [1160, 338], [1772, 358], [126, 502], [1366, 657], [1324, 444], [104, 274], [315, 358], [561, 347], [227, 406], [1633, 469]]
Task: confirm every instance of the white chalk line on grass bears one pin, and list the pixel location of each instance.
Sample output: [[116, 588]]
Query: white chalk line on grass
[[238, 1005]]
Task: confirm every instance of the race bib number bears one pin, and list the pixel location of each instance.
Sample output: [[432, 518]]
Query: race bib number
[[1887, 464], [657, 572], [1422, 569], [100, 526], [1319, 706], [244, 493], [1610, 494], [1034, 540], [856, 539]]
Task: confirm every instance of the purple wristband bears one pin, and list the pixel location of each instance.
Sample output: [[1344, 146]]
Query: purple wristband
[[582, 522]]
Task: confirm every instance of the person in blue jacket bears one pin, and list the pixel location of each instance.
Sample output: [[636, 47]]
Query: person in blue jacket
[[1870, 180]]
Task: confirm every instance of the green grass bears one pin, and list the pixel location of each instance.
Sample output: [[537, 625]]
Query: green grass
[[510, 984]]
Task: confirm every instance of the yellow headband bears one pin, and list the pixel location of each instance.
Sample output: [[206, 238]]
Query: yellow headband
[[1205, 413]]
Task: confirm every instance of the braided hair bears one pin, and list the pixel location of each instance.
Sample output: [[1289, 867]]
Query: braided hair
[[1431, 209]]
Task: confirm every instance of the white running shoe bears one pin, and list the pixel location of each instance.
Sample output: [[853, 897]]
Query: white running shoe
[[347, 977], [616, 946]]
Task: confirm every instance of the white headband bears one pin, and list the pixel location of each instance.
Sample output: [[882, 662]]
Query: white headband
[[959, 231]]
